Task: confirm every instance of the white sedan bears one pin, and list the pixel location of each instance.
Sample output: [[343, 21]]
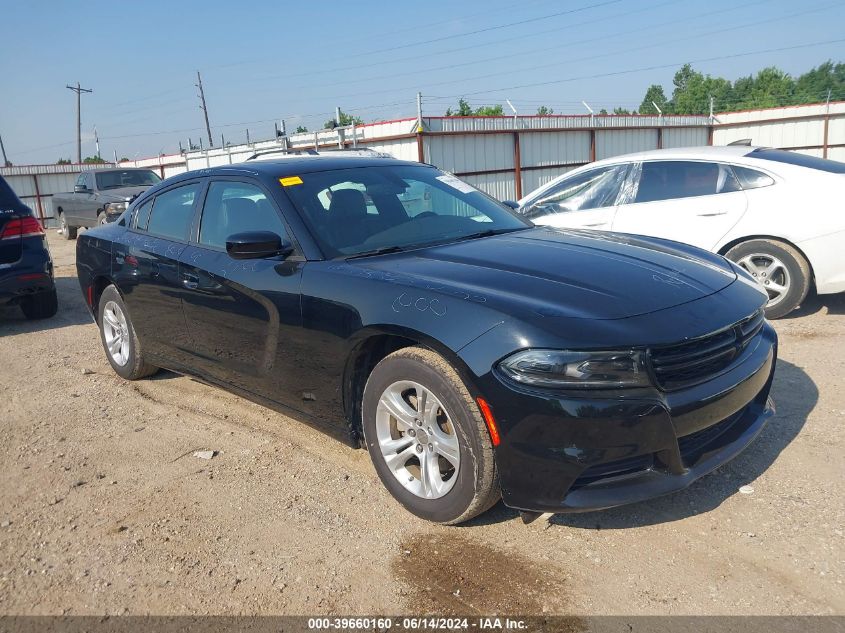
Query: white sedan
[[778, 214]]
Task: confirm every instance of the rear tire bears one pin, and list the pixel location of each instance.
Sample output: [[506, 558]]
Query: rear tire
[[121, 344], [69, 232], [779, 269], [40, 306], [441, 466]]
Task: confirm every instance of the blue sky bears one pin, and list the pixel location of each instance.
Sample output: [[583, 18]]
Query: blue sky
[[263, 61]]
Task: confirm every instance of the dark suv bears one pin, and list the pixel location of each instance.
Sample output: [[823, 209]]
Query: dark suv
[[26, 269]]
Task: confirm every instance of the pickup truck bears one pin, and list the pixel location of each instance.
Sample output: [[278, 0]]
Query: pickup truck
[[100, 196]]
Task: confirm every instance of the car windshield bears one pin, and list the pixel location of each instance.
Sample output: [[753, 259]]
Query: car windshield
[[367, 210], [127, 178], [802, 160]]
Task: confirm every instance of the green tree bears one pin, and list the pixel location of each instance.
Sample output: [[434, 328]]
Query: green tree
[[544, 111], [494, 110], [620, 110], [464, 109], [63, 161], [96, 160], [300, 129], [603, 111], [653, 95], [693, 91], [813, 86], [122, 159], [345, 119]]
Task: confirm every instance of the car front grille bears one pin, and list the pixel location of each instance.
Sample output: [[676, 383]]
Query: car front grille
[[698, 360]]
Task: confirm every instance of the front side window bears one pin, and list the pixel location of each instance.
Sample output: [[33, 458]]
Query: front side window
[[669, 180], [127, 178], [360, 210], [236, 207], [172, 212], [590, 190], [80, 181]]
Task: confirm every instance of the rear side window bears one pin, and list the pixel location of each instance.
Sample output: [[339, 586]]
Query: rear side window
[[236, 207], [751, 178], [802, 160], [669, 180], [172, 212]]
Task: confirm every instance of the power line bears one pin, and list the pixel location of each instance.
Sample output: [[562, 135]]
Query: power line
[[658, 66], [570, 44]]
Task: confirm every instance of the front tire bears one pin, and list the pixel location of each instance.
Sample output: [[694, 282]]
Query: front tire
[[779, 268], [69, 232], [121, 344], [425, 435], [40, 306]]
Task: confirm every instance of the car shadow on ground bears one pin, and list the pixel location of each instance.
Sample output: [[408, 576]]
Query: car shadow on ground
[[795, 395], [72, 311], [835, 304]]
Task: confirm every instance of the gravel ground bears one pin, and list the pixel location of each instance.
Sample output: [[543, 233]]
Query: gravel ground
[[105, 510]]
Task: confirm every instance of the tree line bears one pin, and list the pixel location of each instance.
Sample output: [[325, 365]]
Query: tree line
[[692, 92]]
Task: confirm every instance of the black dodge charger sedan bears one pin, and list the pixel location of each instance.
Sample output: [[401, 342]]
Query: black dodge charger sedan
[[474, 355]]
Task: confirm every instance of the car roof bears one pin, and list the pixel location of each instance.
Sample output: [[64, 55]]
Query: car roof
[[707, 152], [293, 165]]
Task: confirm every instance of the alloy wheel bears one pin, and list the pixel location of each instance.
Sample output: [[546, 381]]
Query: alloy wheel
[[417, 439], [770, 272], [116, 333]]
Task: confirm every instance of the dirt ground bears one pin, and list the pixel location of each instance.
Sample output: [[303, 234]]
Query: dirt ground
[[104, 509]]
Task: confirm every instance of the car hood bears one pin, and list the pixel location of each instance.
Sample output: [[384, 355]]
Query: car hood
[[562, 273], [122, 193]]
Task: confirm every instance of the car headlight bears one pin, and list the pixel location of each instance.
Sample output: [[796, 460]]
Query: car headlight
[[579, 370], [116, 207]]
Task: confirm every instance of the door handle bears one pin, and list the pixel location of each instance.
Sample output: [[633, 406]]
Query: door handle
[[712, 214], [191, 282], [596, 224]]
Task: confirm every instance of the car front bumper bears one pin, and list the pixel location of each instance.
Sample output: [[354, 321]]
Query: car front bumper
[[574, 454]]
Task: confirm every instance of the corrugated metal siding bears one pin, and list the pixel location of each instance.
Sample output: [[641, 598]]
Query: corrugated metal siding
[[684, 137], [785, 134], [505, 123], [499, 186], [401, 149], [624, 142], [536, 178], [554, 148], [482, 152]]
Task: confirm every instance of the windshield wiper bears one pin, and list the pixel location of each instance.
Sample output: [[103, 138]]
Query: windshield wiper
[[379, 251], [489, 232]]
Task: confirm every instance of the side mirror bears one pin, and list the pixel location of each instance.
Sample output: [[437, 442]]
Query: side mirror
[[80, 189], [257, 245], [510, 203]]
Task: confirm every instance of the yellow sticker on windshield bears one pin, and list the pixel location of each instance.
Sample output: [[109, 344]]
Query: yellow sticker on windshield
[[290, 180]]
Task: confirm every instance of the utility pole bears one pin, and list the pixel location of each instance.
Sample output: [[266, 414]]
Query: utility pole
[[204, 109], [78, 90], [3, 149]]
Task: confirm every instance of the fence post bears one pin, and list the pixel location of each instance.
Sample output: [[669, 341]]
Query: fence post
[[38, 202], [517, 165]]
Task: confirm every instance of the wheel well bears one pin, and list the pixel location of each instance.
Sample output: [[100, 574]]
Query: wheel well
[[359, 366], [724, 250], [99, 284]]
